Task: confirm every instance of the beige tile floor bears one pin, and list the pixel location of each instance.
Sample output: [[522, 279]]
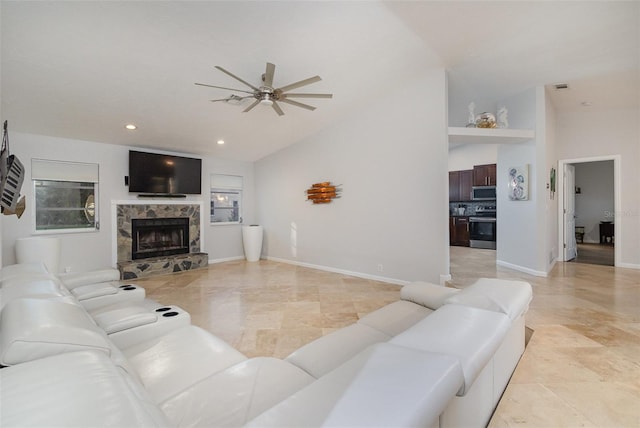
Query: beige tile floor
[[268, 308], [581, 367]]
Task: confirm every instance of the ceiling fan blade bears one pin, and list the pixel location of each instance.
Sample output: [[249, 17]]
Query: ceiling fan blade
[[295, 103], [232, 98], [255, 103], [268, 75], [237, 78], [277, 108], [304, 82], [222, 87], [306, 96]]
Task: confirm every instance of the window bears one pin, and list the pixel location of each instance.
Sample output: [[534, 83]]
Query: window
[[226, 199], [65, 196]]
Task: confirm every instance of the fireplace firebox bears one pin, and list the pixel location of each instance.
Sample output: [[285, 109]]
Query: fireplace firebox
[[155, 237]]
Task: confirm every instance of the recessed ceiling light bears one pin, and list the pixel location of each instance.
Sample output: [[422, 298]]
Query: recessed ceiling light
[[220, 142], [131, 127]]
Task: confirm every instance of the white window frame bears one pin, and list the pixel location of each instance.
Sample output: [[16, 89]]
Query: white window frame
[[62, 171], [226, 183]]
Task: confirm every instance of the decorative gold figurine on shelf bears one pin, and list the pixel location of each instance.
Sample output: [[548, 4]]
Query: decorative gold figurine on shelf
[[485, 120], [323, 193]]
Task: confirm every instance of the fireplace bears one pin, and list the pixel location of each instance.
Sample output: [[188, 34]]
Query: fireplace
[[155, 237]]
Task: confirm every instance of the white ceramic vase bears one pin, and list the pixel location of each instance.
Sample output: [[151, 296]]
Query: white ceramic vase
[[252, 242]]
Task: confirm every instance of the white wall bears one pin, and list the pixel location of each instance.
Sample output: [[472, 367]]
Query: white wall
[[85, 251], [391, 160], [593, 133], [467, 155], [595, 203], [519, 225], [551, 207]]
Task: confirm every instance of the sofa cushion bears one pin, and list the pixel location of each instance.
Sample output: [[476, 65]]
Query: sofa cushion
[[124, 318], [426, 294], [146, 303], [395, 317], [237, 394], [171, 363], [79, 389], [469, 334], [36, 328], [499, 295], [91, 291], [328, 352], [385, 385]]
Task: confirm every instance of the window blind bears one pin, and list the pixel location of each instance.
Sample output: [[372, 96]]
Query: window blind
[[223, 181], [42, 169]]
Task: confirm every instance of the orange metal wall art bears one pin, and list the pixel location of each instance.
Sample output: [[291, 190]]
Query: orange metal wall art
[[323, 193]]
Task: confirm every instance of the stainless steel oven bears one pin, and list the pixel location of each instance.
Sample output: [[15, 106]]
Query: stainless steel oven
[[482, 228]]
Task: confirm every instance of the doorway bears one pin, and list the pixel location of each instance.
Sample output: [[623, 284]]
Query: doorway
[[589, 196]]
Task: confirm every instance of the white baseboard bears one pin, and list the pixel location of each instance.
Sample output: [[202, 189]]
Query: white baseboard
[[628, 265], [341, 271], [444, 279], [521, 268], [226, 259]]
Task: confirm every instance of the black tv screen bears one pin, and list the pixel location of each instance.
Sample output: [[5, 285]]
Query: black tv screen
[[164, 174]]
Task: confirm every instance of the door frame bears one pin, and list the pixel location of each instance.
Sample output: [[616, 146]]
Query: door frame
[[565, 199], [617, 199]]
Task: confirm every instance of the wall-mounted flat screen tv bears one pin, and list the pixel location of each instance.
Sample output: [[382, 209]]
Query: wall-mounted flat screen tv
[[160, 174]]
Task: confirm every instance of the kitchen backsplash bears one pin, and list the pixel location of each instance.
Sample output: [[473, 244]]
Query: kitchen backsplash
[[469, 208]]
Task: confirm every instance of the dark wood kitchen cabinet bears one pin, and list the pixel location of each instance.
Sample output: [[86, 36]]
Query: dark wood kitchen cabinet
[[484, 175], [454, 186], [459, 231], [460, 183]]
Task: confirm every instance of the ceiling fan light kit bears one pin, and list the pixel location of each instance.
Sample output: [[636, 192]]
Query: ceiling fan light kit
[[266, 94]]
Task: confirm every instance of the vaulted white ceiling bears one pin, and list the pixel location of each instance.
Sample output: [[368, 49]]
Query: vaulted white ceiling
[[83, 70]]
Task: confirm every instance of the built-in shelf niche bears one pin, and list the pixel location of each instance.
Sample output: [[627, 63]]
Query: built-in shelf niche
[[462, 135]]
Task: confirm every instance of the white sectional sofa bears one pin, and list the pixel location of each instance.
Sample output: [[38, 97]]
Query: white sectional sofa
[[438, 357]]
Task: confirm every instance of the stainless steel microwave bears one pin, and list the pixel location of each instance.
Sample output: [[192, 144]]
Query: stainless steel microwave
[[483, 193]]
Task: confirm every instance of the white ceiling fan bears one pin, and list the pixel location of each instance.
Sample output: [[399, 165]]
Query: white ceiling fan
[[267, 94]]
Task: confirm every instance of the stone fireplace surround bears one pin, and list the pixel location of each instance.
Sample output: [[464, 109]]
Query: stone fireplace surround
[[125, 211]]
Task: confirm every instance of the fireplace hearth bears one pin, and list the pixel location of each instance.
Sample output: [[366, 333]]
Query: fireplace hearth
[[168, 248], [155, 237]]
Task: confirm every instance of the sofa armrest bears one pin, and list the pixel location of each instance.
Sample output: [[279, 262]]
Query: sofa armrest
[[75, 279]]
